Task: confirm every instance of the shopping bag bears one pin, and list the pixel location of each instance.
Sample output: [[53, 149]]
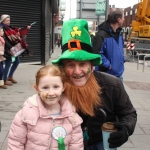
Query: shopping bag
[[17, 50]]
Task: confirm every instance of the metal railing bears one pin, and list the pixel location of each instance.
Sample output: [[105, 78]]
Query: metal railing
[[144, 61]]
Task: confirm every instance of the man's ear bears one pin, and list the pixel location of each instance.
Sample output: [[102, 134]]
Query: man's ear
[[119, 19], [92, 68], [36, 88]]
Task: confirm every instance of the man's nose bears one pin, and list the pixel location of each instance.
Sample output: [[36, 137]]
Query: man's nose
[[77, 70]]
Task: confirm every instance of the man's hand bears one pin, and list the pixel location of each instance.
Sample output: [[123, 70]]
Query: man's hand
[[118, 138]]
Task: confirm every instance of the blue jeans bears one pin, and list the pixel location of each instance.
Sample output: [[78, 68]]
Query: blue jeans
[[97, 146], [12, 68], [121, 78], [1, 70]]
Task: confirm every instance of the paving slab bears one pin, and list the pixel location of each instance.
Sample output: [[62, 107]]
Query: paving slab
[[141, 141], [4, 145], [3, 136]]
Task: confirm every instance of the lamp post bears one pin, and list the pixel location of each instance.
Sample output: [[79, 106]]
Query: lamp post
[[70, 9], [107, 9]]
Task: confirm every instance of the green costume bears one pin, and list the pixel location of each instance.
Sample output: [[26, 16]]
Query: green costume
[[76, 43]]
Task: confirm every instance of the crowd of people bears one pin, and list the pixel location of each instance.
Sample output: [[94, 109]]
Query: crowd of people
[[74, 96]]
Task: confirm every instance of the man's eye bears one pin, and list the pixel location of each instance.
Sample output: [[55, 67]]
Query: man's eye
[[82, 64], [70, 65]]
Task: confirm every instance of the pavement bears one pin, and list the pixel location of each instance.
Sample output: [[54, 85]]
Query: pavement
[[136, 83]]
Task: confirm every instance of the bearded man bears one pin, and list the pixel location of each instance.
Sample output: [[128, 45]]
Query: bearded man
[[98, 97]]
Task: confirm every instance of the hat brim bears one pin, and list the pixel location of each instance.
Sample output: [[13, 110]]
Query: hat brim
[[78, 55]]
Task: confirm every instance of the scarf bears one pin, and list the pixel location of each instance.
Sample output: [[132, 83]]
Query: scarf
[[23, 34], [12, 33], [16, 35]]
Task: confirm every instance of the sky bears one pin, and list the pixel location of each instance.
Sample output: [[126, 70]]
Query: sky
[[117, 3], [123, 3]]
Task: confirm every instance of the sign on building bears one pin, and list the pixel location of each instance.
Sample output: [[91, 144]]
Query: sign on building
[[100, 7], [58, 29]]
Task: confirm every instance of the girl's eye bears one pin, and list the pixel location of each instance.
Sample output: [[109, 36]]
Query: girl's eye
[[45, 87], [56, 86]]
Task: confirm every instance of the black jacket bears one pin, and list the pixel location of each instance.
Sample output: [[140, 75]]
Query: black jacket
[[8, 46], [116, 104]]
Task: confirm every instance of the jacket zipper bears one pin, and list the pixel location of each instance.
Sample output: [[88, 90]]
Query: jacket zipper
[[90, 135], [51, 134]]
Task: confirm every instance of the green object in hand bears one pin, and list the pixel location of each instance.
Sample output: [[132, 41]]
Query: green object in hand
[[85, 135], [61, 144], [13, 58]]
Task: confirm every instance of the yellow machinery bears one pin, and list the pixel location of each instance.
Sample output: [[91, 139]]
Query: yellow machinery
[[140, 28]]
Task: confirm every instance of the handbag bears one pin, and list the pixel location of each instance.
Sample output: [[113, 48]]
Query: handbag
[[17, 50]]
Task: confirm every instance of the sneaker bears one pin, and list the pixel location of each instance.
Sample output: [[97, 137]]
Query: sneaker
[[3, 86], [12, 80], [8, 83]]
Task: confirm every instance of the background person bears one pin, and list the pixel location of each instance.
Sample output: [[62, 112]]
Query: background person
[[91, 35], [98, 97], [59, 42], [2, 44], [12, 37], [109, 43], [47, 119]]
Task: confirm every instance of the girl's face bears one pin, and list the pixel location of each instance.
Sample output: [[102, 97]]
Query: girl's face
[[1, 32], [50, 89]]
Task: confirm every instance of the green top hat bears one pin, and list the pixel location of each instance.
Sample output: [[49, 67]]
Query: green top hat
[[76, 43]]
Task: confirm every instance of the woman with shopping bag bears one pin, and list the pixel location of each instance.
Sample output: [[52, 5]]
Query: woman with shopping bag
[[12, 44]]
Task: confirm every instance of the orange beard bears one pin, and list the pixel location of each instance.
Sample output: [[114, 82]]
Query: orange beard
[[85, 98]]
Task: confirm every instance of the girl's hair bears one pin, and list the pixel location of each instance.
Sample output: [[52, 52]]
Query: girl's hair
[[49, 70]]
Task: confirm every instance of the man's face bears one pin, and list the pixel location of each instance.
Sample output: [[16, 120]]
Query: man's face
[[121, 20], [7, 21], [78, 71]]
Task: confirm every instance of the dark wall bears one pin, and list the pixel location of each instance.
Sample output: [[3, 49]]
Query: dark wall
[[47, 32], [40, 36], [23, 13]]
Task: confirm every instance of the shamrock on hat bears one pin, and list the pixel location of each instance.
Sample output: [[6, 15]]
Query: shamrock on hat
[[76, 43]]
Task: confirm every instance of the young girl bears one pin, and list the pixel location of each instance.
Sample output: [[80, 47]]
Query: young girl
[[47, 120], [2, 44]]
